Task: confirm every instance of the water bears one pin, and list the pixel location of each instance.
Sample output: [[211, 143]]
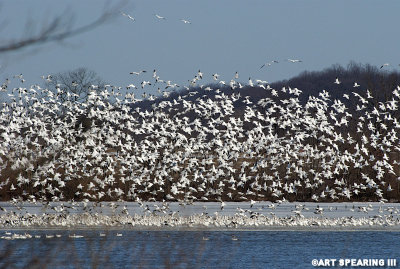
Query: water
[[188, 249]]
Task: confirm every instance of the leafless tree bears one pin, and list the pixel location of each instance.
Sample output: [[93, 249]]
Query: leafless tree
[[74, 85]]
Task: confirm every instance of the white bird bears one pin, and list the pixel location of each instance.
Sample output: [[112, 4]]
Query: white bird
[[222, 205], [337, 81], [129, 16], [269, 63], [159, 17], [318, 210], [389, 188], [356, 85], [294, 60], [18, 76], [47, 78], [215, 76], [385, 64], [144, 83], [251, 83], [185, 21], [199, 74], [131, 86], [75, 236], [138, 73]]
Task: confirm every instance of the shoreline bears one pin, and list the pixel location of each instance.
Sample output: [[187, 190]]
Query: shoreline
[[207, 229], [209, 216]]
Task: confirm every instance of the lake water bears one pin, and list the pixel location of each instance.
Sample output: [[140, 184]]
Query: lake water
[[191, 249]]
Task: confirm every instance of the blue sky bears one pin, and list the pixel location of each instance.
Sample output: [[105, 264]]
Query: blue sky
[[224, 37]]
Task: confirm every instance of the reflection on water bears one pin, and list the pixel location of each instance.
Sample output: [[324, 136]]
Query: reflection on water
[[192, 249]]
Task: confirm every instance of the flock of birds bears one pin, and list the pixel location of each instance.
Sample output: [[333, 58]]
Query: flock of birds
[[197, 146], [171, 215], [158, 17], [208, 143], [20, 236]]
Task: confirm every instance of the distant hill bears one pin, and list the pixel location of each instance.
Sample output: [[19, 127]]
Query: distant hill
[[380, 82]]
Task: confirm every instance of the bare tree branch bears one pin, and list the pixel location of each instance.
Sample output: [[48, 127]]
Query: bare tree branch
[[59, 29]]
